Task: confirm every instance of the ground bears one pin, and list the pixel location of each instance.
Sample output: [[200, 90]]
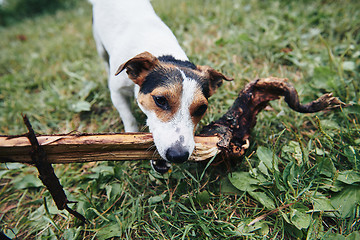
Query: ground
[[300, 174]]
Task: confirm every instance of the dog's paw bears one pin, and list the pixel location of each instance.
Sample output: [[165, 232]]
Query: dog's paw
[[160, 166]]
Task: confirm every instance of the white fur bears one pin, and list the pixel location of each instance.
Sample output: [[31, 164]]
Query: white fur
[[123, 29], [180, 128]]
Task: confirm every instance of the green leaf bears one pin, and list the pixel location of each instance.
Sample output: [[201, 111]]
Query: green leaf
[[3, 173], [322, 204], [329, 184], [349, 66], [156, 199], [322, 76], [206, 230], [80, 106], [11, 165], [228, 188], [69, 234], [285, 217], [328, 124], [263, 169], [350, 153], [27, 181], [349, 177], [352, 109], [11, 233], [86, 89], [103, 169], [288, 173], [72, 233], [316, 228], [299, 218], [354, 236], [266, 156], [327, 167], [109, 232], [335, 236], [320, 152], [113, 190], [203, 197], [294, 149], [346, 200], [263, 198], [260, 228], [243, 181], [244, 37], [264, 228]]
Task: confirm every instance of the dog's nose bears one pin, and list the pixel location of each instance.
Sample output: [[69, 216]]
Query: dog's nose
[[177, 154]]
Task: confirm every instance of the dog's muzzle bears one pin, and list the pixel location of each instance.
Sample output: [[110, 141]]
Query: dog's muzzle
[[175, 154]]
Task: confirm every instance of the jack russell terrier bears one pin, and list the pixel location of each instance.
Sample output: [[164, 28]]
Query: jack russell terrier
[[171, 91]]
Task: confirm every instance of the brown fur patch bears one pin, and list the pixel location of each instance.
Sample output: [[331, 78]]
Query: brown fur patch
[[139, 66], [214, 77], [199, 100], [172, 93]]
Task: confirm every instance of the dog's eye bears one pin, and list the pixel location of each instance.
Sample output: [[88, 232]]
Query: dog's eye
[[200, 111], [161, 102]]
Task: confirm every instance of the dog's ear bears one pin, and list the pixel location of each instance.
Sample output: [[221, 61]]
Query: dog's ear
[[138, 67], [214, 77]]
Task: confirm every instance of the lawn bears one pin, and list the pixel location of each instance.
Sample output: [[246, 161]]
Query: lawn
[[301, 174]]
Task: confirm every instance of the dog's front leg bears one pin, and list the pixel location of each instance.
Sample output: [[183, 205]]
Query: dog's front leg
[[121, 91], [122, 104]]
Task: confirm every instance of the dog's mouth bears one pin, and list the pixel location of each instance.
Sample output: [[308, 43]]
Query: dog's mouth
[[160, 166]]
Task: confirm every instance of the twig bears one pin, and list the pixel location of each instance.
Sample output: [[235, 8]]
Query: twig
[[47, 174]]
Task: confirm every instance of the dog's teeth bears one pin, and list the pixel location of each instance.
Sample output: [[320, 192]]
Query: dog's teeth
[[160, 166]]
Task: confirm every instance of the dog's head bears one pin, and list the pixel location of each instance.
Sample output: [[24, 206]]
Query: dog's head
[[174, 96]]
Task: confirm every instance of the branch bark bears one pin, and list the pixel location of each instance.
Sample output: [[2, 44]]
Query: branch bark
[[95, 147], [228, 136], [234, 127]]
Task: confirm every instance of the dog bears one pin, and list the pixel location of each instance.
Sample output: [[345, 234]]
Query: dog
[[171, 91]]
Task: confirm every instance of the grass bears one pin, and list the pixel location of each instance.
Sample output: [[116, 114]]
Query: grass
[[307, 166]]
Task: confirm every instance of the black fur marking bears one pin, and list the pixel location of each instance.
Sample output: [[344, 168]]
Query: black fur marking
[[163, 76], [160, 77], [205, 89], [203, 83], [180, 63]]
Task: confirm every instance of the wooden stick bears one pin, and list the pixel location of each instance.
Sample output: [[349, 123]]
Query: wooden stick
[[228, 135], [96, 147]]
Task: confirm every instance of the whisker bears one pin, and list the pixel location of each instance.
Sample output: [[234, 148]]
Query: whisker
[[151, 148], [156, 155], [143, 128]]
